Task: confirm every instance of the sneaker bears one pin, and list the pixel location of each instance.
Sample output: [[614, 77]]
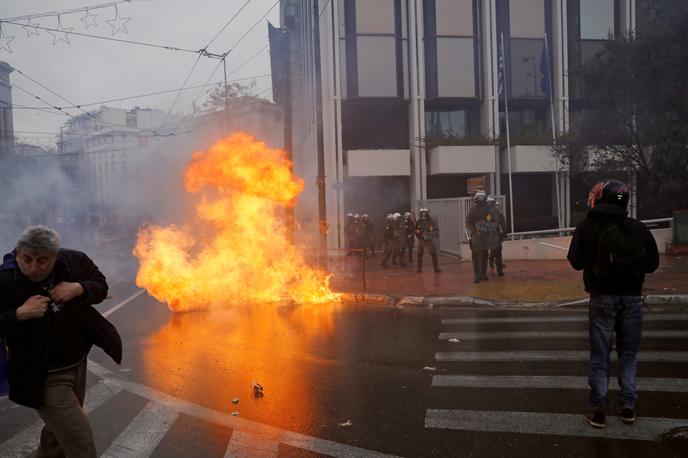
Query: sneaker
[[627, 415], [596, 418]]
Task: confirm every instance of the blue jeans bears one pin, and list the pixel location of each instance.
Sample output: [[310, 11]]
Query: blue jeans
[[623, 316]]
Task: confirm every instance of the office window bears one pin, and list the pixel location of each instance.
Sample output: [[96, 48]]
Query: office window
[[455, 67], [375, 16], [596, 19], [527, 18], [377, 60], [454, 17], [373, 48], [528, 71], [451, 58]]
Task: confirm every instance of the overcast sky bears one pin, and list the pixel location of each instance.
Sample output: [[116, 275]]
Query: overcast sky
[[89, 70]]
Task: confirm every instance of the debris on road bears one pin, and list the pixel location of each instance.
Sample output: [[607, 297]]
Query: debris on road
[[235, 401], [258, 390], [346, 423], [429, 368], [455, 340], [234, 414]]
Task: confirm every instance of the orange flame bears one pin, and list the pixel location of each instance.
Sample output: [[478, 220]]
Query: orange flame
[[236, 250]]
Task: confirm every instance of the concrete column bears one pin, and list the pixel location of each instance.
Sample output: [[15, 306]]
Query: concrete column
[[416, 102]]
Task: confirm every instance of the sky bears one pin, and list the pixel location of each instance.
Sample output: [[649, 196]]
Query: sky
[[90, 70]]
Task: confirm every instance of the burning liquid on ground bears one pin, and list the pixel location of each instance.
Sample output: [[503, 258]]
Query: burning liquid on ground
[[236, 248]]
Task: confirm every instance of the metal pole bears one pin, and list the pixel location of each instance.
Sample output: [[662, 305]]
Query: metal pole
[[508, 137], [224, 64], [320, 145], [554, 135]]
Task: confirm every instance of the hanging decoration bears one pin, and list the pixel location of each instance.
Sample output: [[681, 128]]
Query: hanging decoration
[[5, 41], [89, 19], [61, 32], [30, 28], [118, 23]]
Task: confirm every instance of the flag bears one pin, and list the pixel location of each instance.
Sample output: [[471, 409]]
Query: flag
[[544, 72], [500, 70]]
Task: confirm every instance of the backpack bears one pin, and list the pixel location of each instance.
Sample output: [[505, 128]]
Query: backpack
[[620, 252]]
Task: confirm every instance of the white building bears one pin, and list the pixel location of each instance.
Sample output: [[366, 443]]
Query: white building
[[397, 78]]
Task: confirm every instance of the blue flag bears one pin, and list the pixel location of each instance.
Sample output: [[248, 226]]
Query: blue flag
[[544, 72]]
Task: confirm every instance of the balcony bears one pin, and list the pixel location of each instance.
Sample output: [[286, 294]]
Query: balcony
[[378, 162], [530, 158], [469, 159]]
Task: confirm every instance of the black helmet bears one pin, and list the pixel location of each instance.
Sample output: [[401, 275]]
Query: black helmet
[[609, 192]]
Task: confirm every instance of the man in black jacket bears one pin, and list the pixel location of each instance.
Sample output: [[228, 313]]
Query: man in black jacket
[[49, 324], [614, 252]]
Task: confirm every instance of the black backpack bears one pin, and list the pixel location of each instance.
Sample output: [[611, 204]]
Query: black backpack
[[620, 251]]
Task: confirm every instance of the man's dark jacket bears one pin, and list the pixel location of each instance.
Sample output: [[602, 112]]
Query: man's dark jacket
[[582, 251], [28, 341]]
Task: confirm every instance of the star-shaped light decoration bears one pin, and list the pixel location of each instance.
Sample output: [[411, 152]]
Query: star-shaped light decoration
[[31, 28], [60, 34], [89, 19], [5, 42], [118, 23]]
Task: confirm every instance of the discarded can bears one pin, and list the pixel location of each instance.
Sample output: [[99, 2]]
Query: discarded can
[[257, 390]]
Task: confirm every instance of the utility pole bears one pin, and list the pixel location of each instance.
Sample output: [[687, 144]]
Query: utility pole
[[223, 57], [322, 207]]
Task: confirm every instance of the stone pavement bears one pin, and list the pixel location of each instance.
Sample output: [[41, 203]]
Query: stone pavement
[[530, 281]]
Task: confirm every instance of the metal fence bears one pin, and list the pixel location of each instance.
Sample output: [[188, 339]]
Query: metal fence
[[450, 215]]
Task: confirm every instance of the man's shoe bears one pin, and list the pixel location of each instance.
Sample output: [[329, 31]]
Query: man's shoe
[[418, 270], [437, 271], [477, 280], [383, 265], [627, 415], [596, 418], [500, 272]]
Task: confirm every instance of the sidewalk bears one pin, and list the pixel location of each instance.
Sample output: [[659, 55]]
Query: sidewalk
[[551, 281]]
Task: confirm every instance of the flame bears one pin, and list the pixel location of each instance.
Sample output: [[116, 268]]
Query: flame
[[235, 249]]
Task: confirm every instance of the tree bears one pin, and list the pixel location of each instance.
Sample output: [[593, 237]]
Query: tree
[[237, 93], [635, 110]]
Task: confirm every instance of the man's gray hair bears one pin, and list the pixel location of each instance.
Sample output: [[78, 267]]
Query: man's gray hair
[[39, 239]]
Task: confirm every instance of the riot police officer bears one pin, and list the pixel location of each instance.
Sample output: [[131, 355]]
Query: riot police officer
[[495, 255], [368, 234], [409, 226], [390, 239], [427, 232], [482, 225]]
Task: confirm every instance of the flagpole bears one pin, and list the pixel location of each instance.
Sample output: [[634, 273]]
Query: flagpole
[[554, 135], [508, 137]]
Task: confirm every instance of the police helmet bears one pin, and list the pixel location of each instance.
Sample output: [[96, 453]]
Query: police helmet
[[480, 196], [397, 215], [364, 216], [407, 214], [356, 216], [349, 215]]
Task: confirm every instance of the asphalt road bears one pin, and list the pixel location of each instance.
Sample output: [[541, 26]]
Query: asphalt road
[[363, 381]]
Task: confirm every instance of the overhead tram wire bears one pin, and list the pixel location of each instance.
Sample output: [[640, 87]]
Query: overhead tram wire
[[203, 52], [120, 99], [90, 115], [225, 54], [227, 24]]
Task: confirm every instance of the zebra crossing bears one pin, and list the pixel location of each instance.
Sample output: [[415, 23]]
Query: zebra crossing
[[143, 433], [484, 345]]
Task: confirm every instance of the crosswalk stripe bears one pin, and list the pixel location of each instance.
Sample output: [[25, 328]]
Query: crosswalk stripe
[[648, 356], [559, 319], [548, 335], [143, 433], [645, 429], [668, 385], [26, 441], [245, 445], [313, 444]]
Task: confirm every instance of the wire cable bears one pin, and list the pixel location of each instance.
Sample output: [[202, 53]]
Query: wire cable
[[120, 40], [138, 96], [227, 24]]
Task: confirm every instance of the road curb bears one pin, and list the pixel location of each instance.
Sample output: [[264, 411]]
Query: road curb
[[430, 302]]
